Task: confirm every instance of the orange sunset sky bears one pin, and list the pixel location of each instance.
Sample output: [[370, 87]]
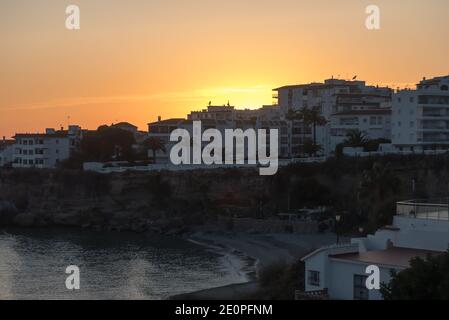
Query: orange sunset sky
[[136, 59]]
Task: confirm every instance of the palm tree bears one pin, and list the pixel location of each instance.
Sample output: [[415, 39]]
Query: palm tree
[[313, 117], [356, 138], [154, 144], [299, 115]]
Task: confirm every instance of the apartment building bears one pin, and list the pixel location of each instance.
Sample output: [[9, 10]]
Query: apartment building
[[420, 228], [222, 118], [368, 112], [420, 117], [349, 101], [230, 113], [45, 150]]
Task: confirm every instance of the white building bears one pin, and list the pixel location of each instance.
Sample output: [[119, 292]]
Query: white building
[[332, 97], [420, 117], [45, 150], [374, 123], [418, 229], [162, 130], [230, 113], [221, 118]]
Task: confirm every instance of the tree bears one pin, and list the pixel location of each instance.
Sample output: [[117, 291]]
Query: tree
[[293, 116], [356, 138], [108, 143], [309, 117], [313, 117], [426, 279], [154, 144], [311, 148]]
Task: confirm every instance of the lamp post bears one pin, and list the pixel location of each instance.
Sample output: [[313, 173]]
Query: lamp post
[[337, 221], [361, 230]]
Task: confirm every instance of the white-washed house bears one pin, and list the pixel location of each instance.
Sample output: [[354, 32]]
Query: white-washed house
[[419, 228]]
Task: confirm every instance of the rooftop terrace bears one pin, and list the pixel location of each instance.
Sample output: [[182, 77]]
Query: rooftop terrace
[[433, 209]]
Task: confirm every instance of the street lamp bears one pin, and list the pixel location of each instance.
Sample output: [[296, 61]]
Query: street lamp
[[361, 230], [337, 220]]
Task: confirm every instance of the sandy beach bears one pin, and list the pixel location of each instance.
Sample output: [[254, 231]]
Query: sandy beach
[[263, 249], [266, 249]]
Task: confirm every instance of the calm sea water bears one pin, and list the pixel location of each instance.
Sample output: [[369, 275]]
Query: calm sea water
[[112, 265]]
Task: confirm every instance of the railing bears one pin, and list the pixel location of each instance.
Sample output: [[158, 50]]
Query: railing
[[433, 209], [312, 295]]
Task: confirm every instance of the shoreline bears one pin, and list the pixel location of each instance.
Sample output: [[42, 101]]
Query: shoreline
[[263, 250]]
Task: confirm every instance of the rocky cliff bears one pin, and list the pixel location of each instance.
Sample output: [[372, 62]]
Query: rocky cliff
[[129, 201], [364, 189]]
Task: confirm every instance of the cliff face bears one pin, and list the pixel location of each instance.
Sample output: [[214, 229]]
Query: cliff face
[[130, 201], [366, 189]]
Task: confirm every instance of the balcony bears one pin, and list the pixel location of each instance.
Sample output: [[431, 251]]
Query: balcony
[[431, 209]]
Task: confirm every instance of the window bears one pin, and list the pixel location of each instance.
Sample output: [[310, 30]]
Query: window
[[380, 120], [314, 278], [373, 121], [412, 124], [412, 99], [399, 123], [361, 292]]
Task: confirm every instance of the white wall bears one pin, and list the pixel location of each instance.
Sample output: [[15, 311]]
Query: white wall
[[319, 261], [341, 279], [404, 123], [56, 149], [422, 233]]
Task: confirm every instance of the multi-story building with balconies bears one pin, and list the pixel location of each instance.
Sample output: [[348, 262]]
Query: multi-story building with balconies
[[420, 117], [222, 118], [45, 150], [344, 104]]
